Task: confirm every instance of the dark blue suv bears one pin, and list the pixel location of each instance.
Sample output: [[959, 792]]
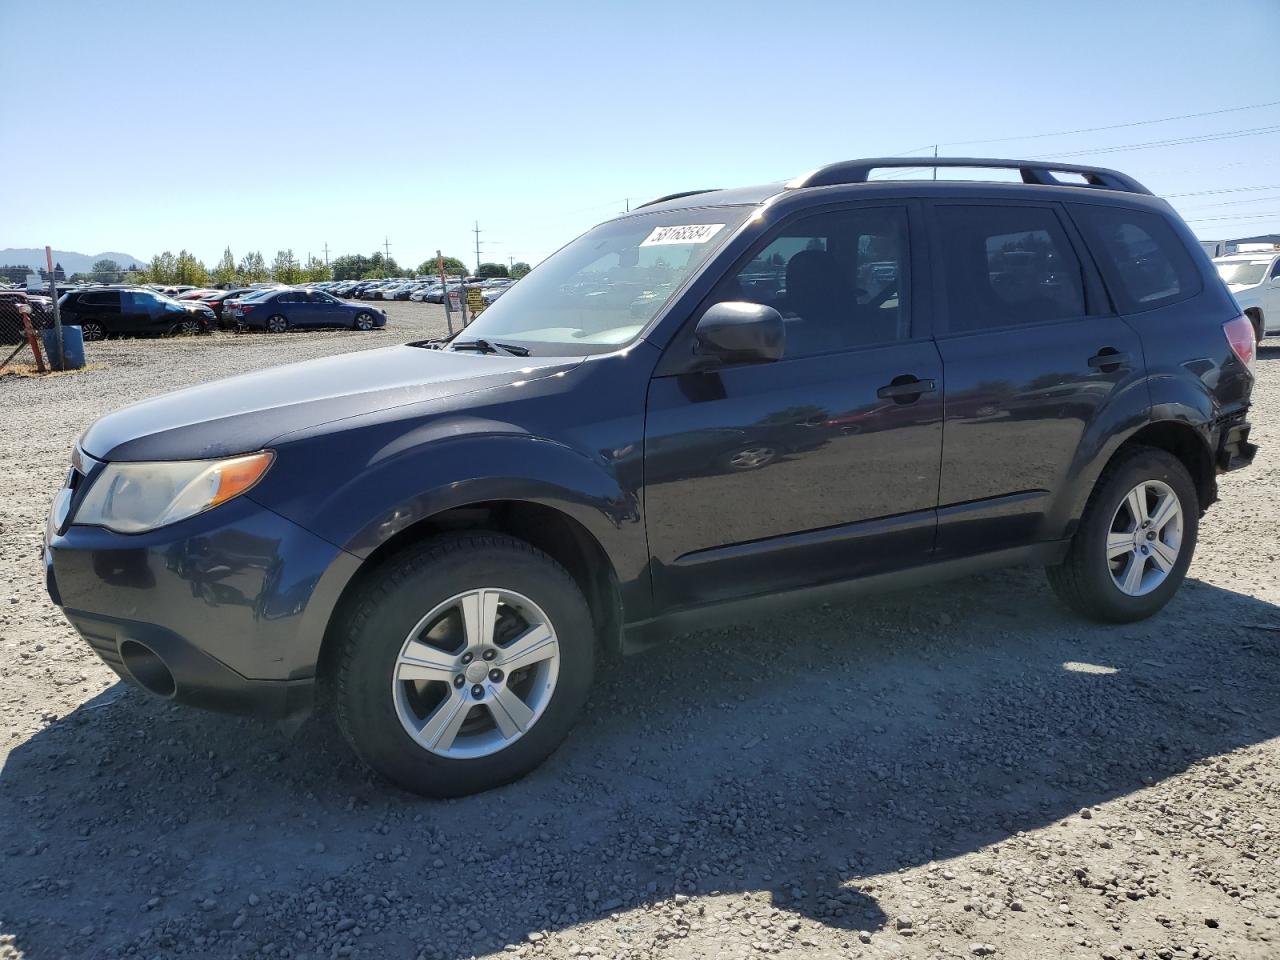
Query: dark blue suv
[[720, 403]]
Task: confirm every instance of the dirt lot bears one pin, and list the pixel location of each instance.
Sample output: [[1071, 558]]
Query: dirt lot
[[966, 771]]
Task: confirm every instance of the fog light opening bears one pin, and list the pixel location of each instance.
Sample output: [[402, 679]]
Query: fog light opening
[[147, 669]]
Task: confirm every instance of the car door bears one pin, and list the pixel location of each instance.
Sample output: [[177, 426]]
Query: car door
[[1033, 354], [100, 306], [325, 311], [817, 467]]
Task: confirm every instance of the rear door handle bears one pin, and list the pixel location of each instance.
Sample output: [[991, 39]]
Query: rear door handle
[[905, 389], [1109, 357]]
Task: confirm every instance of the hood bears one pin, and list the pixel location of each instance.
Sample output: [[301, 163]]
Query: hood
[[247, 412]]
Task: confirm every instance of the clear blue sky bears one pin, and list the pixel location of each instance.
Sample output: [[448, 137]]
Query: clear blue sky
[[142, 127]]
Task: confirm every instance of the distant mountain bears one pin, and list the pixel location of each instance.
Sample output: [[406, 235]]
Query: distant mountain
[[71, 261]]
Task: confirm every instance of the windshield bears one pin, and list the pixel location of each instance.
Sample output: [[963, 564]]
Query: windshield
[[600, 291], [1243, 272]]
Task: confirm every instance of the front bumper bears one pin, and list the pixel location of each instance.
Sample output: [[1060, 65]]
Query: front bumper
[[233, 604]]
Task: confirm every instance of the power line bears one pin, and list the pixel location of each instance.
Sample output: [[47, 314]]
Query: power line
[[1112, 126], [1248, 216], [1175, 142], [1233, 203], [1205, 193]]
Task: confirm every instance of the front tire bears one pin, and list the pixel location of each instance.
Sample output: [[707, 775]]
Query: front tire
[[1135, 540], [464, 664], [363, 321]]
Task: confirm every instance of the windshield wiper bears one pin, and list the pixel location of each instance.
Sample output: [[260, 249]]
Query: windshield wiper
[[484, 346]]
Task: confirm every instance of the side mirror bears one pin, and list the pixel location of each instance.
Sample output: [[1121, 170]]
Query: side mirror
[[740, 332]]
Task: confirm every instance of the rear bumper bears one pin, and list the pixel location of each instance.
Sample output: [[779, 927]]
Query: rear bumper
[[1234, 449]]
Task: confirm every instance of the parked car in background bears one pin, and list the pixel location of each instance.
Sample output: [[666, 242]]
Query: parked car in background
[[105, 311], [276, 311], [1254, 280], [199, 293], [220, 298]]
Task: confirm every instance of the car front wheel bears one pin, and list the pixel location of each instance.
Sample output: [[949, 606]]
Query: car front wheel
[[1135, 539], [364, 321], [464, 663]]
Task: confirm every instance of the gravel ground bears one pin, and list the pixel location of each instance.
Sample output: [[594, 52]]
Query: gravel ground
[[969, 771]]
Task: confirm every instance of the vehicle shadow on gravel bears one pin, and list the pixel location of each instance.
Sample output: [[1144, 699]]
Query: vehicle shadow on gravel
[[787, 763]]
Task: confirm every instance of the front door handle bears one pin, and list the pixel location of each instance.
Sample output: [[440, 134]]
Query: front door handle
[[906, 389], [1109, 359]]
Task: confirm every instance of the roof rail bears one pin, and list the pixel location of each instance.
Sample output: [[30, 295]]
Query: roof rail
[[1032, 171], [675, 196]]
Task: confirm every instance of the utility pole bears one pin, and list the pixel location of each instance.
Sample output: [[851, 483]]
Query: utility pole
[[935, 156], [326, 253], [476, 231], [386, 245]]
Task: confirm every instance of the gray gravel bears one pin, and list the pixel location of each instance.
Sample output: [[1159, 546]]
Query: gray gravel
[[965, 772]]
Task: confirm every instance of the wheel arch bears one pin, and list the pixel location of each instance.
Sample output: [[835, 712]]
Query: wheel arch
[[1257, 318], [553, 531]]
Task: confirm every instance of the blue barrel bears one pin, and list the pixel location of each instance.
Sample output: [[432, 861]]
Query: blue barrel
[[72, 347]]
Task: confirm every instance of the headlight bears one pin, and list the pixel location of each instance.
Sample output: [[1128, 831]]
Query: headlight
[[133, 497]]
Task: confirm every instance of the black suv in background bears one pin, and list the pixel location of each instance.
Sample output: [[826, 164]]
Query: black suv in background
[[103, 311], [718, 403]]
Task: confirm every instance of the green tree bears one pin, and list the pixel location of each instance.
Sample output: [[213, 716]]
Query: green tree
[[350, 266], [315, 271], [380, 266], [225, 272], [452, 266], [491, 270], [106, 270], [163, 268], [285, 268], [519, 269], [189, 270], [137, 275], [253, 269]]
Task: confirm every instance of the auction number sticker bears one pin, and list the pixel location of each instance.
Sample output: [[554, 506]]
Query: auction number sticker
[[685, 233]]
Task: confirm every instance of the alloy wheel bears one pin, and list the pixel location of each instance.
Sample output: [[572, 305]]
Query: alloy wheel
[[476, 673], [91, 331], [277, 324], [1145, 538], [364, 321]]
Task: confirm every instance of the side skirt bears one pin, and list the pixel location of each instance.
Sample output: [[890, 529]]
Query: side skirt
[[643, 634]]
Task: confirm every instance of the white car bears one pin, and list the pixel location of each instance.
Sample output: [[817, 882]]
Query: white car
[[1254, 280]]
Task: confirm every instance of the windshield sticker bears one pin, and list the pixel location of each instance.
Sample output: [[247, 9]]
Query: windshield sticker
[[685, 233]]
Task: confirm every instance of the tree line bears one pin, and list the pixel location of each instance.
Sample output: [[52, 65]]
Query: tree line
[[184, 268]]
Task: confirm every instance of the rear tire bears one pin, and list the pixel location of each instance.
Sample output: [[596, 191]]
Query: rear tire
[[1116, 569], [277, 324], [410, 617], [92, 330]]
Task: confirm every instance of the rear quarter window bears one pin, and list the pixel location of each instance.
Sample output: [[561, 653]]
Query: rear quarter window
[[1142, 258]]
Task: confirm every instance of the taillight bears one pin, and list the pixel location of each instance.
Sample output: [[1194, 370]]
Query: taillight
[[245, 308], [1240, 335]]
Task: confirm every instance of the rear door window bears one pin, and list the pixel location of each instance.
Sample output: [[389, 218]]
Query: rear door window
[[101, 298], [1007, 265], [1145, 263]]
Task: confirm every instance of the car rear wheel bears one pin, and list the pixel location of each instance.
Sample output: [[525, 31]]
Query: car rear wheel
[[464, 663], [1135, 540], [277, 324], [92, 330], [185, 328], [363, 321]]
